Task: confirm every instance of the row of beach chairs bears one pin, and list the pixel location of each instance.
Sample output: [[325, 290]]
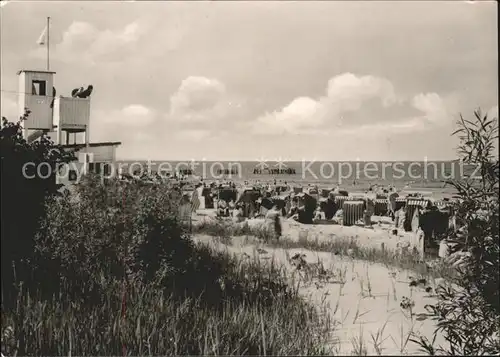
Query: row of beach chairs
[[353, 208]]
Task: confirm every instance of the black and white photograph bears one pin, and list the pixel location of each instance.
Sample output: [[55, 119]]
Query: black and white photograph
[[226, 178]]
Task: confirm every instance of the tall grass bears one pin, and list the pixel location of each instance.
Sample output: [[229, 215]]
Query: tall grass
[[123, 277], [268, 317], [341, 246]]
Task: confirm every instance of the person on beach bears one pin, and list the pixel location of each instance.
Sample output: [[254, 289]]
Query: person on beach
[[391, 203], [238, 214], [288, 205], [222, 208], [305, 215], [369, 211], [273, 221], [338, 217], [185, 215], [294, 207], [400, 217]]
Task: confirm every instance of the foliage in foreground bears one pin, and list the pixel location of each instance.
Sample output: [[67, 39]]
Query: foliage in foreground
[[268, 318], [24, 192], [121, 276], [469, 316]]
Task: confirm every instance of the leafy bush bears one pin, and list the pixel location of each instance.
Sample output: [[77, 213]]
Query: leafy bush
[[109, 270], [23, 198], [469, 315], [269, 318]]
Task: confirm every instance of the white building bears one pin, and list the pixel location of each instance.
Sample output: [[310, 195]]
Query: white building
[[62, 117]]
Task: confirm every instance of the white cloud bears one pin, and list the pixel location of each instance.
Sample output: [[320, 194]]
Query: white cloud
[[348, 92], [302, 114], [196, 94], [136, 110], [345, 93], [131, 123], [402, 126], [433, 106], [201, 100], [85, 43]]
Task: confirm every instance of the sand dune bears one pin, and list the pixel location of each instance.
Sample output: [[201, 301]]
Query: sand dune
[[362, 298]]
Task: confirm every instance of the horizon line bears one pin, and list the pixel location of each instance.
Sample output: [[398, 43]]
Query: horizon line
[[294, 160]]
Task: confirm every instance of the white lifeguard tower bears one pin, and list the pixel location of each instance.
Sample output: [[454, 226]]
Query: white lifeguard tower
[[36, 93], [61, 116]]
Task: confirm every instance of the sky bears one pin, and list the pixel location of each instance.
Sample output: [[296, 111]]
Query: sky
[[245, 80]]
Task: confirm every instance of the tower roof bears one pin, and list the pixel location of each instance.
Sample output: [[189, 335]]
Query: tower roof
[[33, 71]]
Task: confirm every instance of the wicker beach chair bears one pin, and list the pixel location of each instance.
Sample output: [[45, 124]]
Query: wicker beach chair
[[339, 200], [352, 212], [380, 207], [412, 204]]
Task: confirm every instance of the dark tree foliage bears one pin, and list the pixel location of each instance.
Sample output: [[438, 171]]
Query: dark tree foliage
[[24, 193]]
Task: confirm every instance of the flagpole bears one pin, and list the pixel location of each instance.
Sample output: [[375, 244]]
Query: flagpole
[[48, 42]]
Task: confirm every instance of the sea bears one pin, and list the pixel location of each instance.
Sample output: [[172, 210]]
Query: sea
[[325, 173]]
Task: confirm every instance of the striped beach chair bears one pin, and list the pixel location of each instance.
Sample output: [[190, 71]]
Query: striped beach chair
[[442, 204], [400, 203], [339, 201], [381, 207], [352, 212], [412, 204]]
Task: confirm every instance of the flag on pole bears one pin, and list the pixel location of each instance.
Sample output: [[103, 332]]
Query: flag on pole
[[42, 40]]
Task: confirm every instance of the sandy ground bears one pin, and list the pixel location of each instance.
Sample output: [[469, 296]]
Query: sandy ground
[[380, 233], [362, 298]]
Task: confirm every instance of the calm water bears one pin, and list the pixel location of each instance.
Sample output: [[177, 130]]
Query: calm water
[[426, 174]]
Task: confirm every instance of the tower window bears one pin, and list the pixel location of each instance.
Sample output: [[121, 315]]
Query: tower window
[[39, 87]]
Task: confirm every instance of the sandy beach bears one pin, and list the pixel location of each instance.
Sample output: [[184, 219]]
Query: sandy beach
[[362, 298]]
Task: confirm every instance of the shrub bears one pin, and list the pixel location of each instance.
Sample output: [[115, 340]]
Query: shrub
[[155, 323], [124, 274], [469, 316], [23, 199]]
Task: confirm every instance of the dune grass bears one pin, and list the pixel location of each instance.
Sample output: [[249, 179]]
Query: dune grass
[[266, 317], [341, 246], [116, 274]]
